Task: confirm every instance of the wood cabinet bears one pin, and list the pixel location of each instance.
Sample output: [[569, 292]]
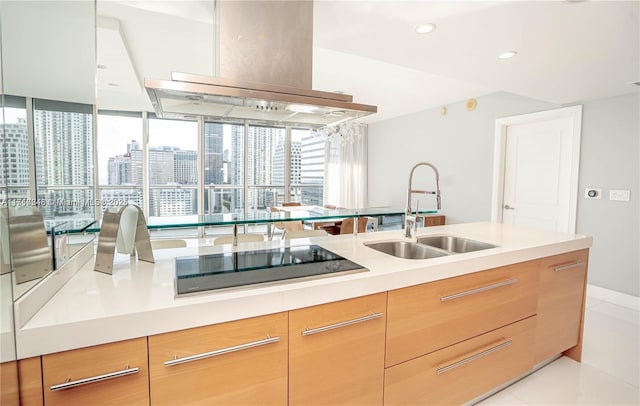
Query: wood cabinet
[[236, 363], [462, 372], [109, 374], [30, 373], [337, 352], [9, 383], [561, 304], [444, 342], [428, 317]]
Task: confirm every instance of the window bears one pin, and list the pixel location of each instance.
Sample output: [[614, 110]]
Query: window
[[119, 143], [265, 167], [172, 165], [63, 135], [223, 168], [307, 167]]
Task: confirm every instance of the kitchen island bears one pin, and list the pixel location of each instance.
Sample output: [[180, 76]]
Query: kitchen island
[[139, 302]]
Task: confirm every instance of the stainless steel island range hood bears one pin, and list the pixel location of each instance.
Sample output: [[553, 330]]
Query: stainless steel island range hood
[[265, 64]]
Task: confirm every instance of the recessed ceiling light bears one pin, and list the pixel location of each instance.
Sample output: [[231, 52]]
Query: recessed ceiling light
[[425, 28], [507, 55]]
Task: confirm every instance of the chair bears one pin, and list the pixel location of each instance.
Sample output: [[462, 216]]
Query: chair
[[286, 226], [304, 234], [228, 239], [347, 225], [287, 204], [167, 243]]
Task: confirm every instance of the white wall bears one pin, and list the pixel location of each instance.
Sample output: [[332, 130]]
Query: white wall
[[610, 157], [460, 145]]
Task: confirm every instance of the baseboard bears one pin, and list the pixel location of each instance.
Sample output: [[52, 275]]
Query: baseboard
[[611, 296]]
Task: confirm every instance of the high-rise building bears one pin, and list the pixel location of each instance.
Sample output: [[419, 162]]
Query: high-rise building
[[63, 149], [15, 158], [185, 167], [213, 154], [312, 153], [119, 168]]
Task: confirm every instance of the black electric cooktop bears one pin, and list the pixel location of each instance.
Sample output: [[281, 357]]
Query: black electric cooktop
[[232, 269]]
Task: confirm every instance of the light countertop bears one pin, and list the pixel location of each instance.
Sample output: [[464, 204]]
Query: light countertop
[[139, 298]]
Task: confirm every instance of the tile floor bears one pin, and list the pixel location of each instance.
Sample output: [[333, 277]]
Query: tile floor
[[608, 375]]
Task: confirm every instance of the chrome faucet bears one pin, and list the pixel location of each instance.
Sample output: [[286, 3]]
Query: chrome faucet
[[410, 220]]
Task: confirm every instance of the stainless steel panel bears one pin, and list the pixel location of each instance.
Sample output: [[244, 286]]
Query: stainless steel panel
[[30, 252], [258, 86], [267, 41], [109, 233]]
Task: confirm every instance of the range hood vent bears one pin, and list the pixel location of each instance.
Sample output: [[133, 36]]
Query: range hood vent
[[264, 72], [188, 96]]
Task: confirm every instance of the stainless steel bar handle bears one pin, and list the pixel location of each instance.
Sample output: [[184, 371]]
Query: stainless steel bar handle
[[568, 266], [478, 290], [322, 329], [221, 351], [98, 378], [473, 357]]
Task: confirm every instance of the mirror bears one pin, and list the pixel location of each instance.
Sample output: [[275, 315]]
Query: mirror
[[48, 65], [47, 57]]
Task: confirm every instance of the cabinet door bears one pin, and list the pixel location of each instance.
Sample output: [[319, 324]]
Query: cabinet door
[[561, 303], [109, 374], [464, 371], [425, 318], [337, 353], [241, 362], [9, 384]]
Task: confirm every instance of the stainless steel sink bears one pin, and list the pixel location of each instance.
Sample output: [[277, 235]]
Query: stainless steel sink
[[406, 249], [457, 245]]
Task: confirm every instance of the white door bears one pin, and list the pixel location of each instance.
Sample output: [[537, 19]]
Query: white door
[[536, 169]]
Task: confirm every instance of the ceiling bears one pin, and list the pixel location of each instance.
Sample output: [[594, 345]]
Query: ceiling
[[568, 51]]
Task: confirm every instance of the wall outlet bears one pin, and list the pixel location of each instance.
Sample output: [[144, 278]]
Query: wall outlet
[[621, 195], [592, 193]]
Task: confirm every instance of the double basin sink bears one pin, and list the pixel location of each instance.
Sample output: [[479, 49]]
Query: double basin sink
[[429, 247]]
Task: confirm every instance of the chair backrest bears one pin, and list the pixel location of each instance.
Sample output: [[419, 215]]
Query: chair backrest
[[287, 225], [304, 234], [347, 225], [167, 243], [286, 204], [228, 239]]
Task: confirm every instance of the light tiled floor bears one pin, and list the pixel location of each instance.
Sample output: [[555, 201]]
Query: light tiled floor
[[608, 375]]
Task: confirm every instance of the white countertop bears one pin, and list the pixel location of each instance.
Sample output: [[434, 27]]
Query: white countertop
[[139, 298]]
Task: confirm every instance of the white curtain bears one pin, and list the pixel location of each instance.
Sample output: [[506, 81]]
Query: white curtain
[[345, 174]]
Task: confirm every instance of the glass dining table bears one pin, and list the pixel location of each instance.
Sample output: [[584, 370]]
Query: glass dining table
[[309, 215]]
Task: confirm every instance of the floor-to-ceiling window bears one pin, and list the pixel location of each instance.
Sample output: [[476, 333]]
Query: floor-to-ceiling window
[[173, 170], [158, 164], [266, 160], [307, 167], [223, 178], [118, 141], [64, 167]]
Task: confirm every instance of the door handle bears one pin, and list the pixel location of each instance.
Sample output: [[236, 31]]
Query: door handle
[[507, 207]]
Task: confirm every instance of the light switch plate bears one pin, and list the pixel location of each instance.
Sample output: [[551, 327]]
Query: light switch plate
[[620, 195], [592, 193]]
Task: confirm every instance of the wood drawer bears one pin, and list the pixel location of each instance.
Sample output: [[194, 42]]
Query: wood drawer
[[77, 365], [425, 318], [561, 303], [462, 372], [244, 362], [342, 361]]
